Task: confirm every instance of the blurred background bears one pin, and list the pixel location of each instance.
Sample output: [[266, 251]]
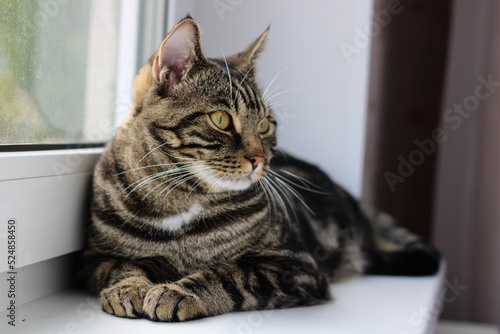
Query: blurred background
[[398, 100]]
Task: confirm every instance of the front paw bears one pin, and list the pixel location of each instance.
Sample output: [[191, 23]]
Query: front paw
[[171, 302], [125, 299]]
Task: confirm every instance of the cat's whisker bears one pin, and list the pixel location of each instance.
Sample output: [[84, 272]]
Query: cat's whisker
[[272, 92], [141, 179], [157, 147], [262, 186], [195, 185], [280, 202], [179, 179], [277, 196], [271, 82], [182, 168], [199, 167], [151, 178], [306, 183], [279, 93], [150, 166], [179, 158], [277, 105], [296, 194], [214, 183], [170, 182], [241, 83], [228, 75], [278, 102], [178, 183], [178, 175], [286, 196]]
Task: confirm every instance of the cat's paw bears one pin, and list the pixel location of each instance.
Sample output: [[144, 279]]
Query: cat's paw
[[125, 299], [171, 302]]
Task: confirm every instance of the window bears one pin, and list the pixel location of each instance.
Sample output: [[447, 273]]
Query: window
[[66, 73], [58, 71]]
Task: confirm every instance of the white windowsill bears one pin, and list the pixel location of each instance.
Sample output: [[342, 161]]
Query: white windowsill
[[371, 304]]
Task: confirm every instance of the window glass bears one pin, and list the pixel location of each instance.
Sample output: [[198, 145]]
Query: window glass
[[58, 61]]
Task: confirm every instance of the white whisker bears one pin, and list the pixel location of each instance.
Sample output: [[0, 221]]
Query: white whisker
[[297, 195], [304, 181], [241, 83], [228, 75], [270, 83], [157, 147], [158, 165], [279, 93], [179, 158], [277, 196], [285, 195]]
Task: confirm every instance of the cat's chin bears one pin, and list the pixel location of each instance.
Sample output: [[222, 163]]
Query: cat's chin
[[233, 184], [237, 184]]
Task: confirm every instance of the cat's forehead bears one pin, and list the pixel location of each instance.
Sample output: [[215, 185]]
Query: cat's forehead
[[237, 90]]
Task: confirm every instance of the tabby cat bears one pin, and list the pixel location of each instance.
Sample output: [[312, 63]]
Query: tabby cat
[[195, 212]]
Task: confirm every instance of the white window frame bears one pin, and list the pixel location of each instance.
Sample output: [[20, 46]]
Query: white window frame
[[45, 188]]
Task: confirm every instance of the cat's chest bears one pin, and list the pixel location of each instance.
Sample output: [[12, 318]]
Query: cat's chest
[[175, 222]]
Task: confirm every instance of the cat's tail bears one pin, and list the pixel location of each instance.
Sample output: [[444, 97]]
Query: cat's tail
[[396, 251]]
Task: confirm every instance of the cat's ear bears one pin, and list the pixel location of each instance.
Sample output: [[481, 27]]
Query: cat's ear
[[178, 53], [244, 60]]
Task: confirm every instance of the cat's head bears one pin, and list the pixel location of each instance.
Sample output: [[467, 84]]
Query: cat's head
[[207, 115]]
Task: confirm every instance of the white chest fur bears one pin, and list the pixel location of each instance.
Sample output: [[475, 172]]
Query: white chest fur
[[175, 222]]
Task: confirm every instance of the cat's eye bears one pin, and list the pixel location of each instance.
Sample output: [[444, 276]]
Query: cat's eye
[[264, 126], [221, 119]]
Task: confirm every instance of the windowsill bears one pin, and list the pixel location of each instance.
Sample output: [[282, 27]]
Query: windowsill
[[370, 304]]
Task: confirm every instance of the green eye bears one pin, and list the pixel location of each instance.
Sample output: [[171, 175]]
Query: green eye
[[264, 126], [221, 119]]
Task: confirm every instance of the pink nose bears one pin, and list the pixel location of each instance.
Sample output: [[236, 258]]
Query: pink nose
[[254, 160]]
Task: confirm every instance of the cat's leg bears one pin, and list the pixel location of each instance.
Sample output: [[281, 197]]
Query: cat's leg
[[122, 284], [125, 292], [251, 283]]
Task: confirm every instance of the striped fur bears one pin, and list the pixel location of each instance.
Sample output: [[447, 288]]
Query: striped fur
[[190, 221]]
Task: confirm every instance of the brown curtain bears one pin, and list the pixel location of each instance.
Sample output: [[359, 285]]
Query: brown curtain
[[406, 80], [467, 211], [435, 94]]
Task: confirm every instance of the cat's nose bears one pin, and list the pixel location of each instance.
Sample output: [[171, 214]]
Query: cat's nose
[[254, 160]]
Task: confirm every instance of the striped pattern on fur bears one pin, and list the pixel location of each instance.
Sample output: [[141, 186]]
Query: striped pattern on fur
[[190, 219]]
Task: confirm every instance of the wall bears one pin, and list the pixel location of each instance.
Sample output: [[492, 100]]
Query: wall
[[321, 93]]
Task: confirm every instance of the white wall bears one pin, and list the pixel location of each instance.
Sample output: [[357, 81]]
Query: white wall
[[325, 119]]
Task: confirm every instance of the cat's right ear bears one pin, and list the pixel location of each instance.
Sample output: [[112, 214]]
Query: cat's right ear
[[178, 53]]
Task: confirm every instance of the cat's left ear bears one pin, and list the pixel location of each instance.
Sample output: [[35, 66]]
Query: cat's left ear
[[244, 60], [179, 53]]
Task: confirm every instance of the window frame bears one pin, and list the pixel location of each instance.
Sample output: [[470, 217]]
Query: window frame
[[58, 167]]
